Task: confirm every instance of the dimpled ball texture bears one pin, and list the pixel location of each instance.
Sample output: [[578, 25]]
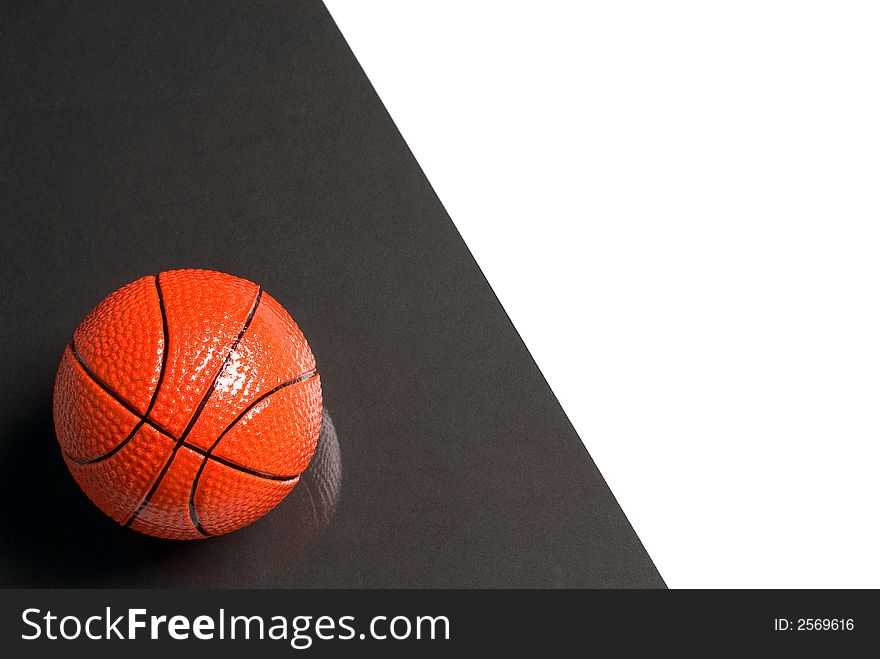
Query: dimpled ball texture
[[187, 404]]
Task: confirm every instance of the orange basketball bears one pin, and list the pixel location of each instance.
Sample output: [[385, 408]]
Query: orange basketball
[[187, 404]]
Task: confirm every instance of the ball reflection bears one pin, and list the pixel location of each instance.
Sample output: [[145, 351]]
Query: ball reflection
[[273, 543]]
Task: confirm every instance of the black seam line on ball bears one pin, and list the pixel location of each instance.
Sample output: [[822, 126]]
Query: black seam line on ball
[[145, 417], [199, 408], [168, 434], [215, 458], [98, 381], [240, 467], [193, 514], [119, 399]]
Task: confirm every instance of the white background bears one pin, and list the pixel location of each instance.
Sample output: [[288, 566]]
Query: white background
[[678, 204]]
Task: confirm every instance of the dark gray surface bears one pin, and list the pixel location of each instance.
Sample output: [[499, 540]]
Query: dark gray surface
[[244, 137]]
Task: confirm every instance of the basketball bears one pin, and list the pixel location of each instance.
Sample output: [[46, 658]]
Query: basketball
[[188, 404]]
